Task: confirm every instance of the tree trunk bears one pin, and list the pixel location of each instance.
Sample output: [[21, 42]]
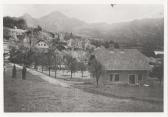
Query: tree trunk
[[55, 73], [71, 74], [42, 68], [49, 71], [97, 81], [82, 73], [55, 67], [35, 66]]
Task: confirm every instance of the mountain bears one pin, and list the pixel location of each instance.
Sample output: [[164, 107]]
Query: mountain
[[54, 22], [31, 22], [140, 32], [126, 31]]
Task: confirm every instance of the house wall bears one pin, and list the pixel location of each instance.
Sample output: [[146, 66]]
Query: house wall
[[41, 45], [123, 76]]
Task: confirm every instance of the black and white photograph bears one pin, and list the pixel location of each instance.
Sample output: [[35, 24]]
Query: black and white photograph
[[83, 57]]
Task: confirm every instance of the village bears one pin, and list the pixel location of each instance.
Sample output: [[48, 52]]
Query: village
[[48, 71]]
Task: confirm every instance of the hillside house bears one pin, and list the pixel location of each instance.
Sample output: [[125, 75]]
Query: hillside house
[[159, 54], [122, 65], [41, 44]]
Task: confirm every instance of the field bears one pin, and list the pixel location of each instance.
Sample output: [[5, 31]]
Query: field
[[37, 95], [153, 93]]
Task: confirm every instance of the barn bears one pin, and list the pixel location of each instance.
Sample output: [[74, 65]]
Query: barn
[[128, 66]]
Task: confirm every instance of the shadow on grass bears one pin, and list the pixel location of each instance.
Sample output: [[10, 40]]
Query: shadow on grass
[[91, 88]]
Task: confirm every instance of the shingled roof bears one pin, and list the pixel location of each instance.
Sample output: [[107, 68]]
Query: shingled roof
[[125, 59]]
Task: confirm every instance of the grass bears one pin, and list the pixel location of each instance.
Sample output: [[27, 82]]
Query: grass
[[150, 94], [36, 95], [153, 94]]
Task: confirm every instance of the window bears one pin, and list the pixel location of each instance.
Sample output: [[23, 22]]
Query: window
[[44, 44], [111, 77], [116, 77]]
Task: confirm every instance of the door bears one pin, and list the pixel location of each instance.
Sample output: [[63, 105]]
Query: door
[[116, 77], [140, 77], [132, 79]]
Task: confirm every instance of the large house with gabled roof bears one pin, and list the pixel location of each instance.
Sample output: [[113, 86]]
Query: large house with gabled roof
[[122, 65], [41, 44]]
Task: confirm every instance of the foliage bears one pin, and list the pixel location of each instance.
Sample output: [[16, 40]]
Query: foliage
[[20, 55], [157, 71], [95, 68], [11, 22], [71, 63], [57, 45], [81, 67]]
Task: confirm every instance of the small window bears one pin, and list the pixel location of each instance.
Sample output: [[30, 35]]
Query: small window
[[111, 77], [38, 44], [44, 44], [116, 77]]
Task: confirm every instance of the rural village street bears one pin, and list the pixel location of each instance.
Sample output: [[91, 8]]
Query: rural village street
[[40, 93]]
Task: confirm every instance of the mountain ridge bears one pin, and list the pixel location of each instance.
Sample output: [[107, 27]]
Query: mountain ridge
[[135, 32]]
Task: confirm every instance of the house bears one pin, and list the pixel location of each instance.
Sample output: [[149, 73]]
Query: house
[[158, 52], [122, 65], [41, 44]]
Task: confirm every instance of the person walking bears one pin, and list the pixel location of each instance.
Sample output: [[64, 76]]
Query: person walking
[[14, 72], [24, 73]]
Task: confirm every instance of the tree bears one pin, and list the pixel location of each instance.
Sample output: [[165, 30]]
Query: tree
[[95, 68], [42, 59], [71, 63], [49, 56], [57, 60], [116, 45], [158, 71], [81, 67], [11, 22]]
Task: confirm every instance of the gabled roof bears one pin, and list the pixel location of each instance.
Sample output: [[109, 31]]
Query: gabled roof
[[126, 59], [41, 41]]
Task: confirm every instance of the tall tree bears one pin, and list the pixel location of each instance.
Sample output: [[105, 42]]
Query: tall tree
[[71, 63], [95, 68], [81, 67], [158, 71]]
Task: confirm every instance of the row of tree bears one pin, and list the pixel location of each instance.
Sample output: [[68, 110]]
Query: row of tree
[[50, 58]]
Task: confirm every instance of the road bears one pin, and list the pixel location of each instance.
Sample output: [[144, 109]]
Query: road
[[38, 95]]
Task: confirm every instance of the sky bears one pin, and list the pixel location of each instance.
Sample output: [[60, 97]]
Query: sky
[[90, 13]]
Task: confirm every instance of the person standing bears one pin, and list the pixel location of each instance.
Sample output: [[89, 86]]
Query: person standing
[[14, 72], [24, 73]]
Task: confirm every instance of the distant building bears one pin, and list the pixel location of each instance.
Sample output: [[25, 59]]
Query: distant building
[[41, 44], [159, 52], [122, 65]]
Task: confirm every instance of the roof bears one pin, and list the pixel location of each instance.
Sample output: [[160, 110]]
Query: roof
[[126, 59], [41, 41]]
